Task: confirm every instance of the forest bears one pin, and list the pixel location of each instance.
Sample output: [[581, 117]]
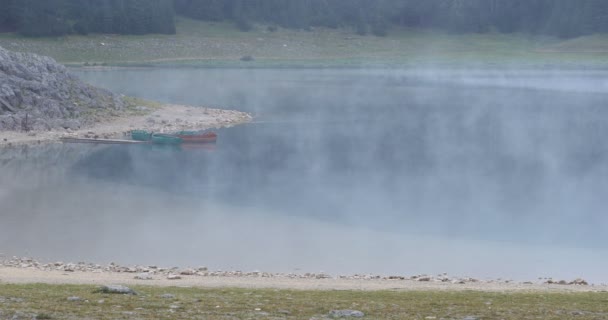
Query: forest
[[562, 18]]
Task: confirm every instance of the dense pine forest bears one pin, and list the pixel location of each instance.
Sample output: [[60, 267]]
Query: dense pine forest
[[563, 18]]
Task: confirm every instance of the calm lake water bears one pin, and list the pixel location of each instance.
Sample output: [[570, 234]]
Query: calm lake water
[[481, 173]]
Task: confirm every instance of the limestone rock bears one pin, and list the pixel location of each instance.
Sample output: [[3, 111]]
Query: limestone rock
[[346, 314], [37, 93], [118, 289]]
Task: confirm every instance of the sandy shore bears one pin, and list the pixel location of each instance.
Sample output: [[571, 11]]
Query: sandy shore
[[26, 270], [167, 118], [25, 276]]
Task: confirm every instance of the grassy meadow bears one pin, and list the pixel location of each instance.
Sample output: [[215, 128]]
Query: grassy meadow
[[40, 301], [207, 44]]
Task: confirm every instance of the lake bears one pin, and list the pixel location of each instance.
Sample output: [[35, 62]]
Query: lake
[[498, 174]]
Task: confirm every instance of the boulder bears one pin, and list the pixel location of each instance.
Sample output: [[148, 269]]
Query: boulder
[[346, 314], [117, 289]]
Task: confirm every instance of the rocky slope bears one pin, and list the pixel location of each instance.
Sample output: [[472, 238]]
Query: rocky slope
[[37, 93]]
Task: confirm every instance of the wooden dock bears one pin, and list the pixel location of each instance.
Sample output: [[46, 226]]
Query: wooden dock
[[102, 141]]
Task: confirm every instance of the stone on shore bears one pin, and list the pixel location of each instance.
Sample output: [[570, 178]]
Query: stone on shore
[[346, 314], [117, 289]]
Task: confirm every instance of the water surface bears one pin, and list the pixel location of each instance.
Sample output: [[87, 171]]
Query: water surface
[[482, 173]]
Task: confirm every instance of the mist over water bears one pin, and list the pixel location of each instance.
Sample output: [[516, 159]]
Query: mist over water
[[481, 173]]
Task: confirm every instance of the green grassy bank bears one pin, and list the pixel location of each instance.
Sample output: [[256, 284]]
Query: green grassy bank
[[207, 44], [51, 302]]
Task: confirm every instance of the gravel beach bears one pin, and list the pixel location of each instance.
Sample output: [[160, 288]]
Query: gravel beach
[[17, 270], [167, 118]]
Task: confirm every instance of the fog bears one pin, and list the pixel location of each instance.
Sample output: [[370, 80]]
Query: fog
[[479, 173]]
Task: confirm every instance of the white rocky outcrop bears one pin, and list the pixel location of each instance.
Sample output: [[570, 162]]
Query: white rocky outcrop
[[37, 93]]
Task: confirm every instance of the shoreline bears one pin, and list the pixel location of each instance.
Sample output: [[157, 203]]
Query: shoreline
[[29, 271], [363, 65], [166, 118]]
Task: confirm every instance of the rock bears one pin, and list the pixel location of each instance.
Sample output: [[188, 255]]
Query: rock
[[74, 298], [143, 276], [117, 289], [580, 282], [188, 272], [173, 277], [168, 296], [470, 318], [37, 93], [346, 314]]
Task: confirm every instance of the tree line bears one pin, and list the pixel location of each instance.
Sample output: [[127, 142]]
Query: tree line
[[60, 17], [563, 18]]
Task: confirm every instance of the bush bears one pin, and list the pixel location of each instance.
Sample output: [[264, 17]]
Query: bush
[[380, 29], [243, 25], [361, 29], [247, 58], [81, 28]]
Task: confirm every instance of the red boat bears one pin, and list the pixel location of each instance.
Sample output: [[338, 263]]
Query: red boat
[[197, 137]]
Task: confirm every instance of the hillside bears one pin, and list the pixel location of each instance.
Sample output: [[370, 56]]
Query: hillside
[[207, 44]]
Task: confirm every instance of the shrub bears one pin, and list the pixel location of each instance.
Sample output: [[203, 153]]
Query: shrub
[[361, 29], [81, 28], [380, 29], [243, 25]]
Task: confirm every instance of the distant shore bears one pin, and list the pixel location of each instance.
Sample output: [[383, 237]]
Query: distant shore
[[165, 118], [222, 45]]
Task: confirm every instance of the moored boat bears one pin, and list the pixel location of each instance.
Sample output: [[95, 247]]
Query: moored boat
[[159, 138], [197, 137], [141, 135]]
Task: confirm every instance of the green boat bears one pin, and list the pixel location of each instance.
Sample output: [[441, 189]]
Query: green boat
[[159, 138], [141, 135], [187, 133]]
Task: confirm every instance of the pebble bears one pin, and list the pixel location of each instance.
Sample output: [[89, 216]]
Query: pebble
[[346, 314], [143, 276], [187, 272], [118, 289]]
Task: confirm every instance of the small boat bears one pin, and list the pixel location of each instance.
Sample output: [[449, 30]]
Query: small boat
[[197, 137], [141, 135], [101, 141], [167, 139]]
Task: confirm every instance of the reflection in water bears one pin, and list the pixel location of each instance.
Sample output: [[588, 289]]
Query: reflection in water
[[343, 172]]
